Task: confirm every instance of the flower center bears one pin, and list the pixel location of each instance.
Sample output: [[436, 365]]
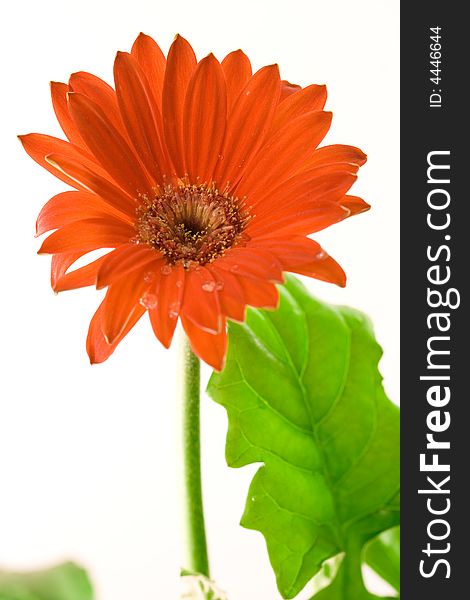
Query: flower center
[[191, 223]]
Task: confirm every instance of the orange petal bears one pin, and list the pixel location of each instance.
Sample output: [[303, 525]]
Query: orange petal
[[60, 263], [354, 204], [287, 89], [336, 153], [231, 298], [179, 70], [107, 144], [285, 152], [69, 207], [87, 235], [38, 146], [59, 93], [299, 222], [102, 94], [211, 348], [124, 260], [237, 71], [97, 347], [306, 257], [205, 116], [139, 115], [90, 180], [333, 168], [252, 262], [307, 100], [169, 289], [121, 300], [291, 250], [201, 300], [326, 269], [258, 293], [81, 277], [302, 191], [152, 62], [248, 124]]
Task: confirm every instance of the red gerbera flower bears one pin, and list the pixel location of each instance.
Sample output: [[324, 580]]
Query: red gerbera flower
[[203, 181]]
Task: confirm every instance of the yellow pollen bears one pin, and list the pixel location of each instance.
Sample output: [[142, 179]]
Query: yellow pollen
[[191, 223]]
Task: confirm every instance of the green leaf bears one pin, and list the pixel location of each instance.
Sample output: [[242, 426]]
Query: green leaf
[[383, 555], [348, 583], [304, 396], [64, 582]]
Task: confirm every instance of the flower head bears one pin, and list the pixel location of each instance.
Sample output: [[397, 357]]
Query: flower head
[[201, 179]]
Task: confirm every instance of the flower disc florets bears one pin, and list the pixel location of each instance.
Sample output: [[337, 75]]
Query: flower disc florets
[[191, 223]]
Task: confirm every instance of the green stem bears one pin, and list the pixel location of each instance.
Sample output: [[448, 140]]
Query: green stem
[[197, 559]]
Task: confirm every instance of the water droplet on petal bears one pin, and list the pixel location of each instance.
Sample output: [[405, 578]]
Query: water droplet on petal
[[134, 240], [179, 284], [219, 286], [234, 268], [209, 286], [149, 276], [166, 269], [149, 301], [322, 255], [174, 310]]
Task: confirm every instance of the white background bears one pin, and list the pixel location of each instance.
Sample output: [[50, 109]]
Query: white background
[[88, 466]]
